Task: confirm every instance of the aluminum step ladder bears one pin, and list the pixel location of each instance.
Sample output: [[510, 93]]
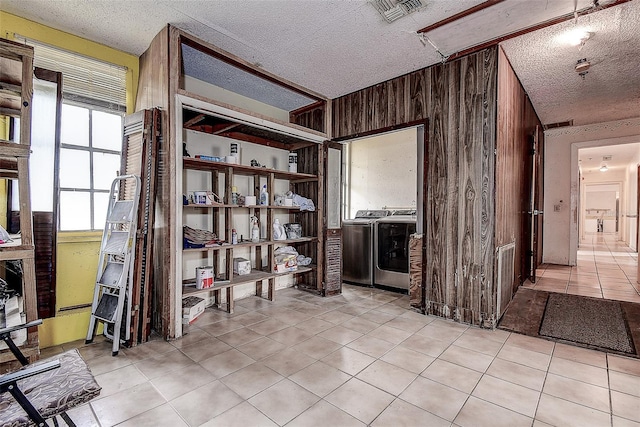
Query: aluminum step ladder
[[112, 295]]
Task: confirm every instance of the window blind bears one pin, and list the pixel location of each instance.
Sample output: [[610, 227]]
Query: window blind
[[85, 80]]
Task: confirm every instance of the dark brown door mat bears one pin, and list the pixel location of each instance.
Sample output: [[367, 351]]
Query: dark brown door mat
[[590, 321], [606, 325]]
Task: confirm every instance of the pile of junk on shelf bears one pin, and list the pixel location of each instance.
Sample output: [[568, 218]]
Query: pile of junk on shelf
[[209, 198], [303, 203], [288, 259], [11, 313]]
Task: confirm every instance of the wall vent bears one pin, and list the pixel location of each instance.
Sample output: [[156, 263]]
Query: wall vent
[[558, 125], [506, 270]]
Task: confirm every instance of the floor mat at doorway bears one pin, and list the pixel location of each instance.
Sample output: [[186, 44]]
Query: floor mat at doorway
[[589, 321]]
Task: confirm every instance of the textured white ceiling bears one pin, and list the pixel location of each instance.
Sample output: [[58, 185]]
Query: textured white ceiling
[[335, 47], [591, 159], [611, 89]]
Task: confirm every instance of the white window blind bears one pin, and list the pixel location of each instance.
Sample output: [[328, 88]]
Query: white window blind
[[85, 80]]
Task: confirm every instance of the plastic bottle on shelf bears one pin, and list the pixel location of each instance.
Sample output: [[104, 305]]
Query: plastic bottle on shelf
[[264, 196], [234, 195], [255, 229], [278, 230], [234, 236]]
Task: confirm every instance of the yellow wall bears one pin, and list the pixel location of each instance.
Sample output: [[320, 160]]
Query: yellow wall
[[77, 251]]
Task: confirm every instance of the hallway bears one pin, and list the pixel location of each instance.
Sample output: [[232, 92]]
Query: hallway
[[606, 269]]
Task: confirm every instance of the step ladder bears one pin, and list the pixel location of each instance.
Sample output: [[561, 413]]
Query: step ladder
[[112, 295]]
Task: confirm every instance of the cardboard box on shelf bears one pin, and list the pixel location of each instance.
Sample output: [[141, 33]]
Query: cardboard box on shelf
[[241, 266], [192, 307]]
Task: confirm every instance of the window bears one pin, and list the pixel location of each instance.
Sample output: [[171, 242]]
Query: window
[[90, 144], [93, 103]]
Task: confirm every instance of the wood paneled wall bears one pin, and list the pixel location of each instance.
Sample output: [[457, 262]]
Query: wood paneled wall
[[153, 91], [517, 122], [312, 117], [459, 100]]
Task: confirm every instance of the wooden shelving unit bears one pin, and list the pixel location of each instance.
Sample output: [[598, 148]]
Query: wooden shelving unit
[[16, 92], [191, 101], [222, 179]]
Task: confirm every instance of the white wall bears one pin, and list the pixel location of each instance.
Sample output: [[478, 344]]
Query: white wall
[[630, 208], [561, 181], [382, 171]]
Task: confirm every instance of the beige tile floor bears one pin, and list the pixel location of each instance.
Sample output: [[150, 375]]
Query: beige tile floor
[[606, 268], [362, 358]]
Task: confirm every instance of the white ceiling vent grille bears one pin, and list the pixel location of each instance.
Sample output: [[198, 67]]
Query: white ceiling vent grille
[[396, 9]]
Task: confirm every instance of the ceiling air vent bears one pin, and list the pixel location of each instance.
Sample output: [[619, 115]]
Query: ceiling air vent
[[606, 158], [392, 10]]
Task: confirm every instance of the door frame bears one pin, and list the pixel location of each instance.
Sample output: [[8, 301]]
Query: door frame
[[575, 188]]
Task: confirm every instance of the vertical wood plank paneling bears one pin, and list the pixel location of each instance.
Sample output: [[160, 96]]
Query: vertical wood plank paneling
[[356, 113], [393, 100], [453, 128], [470, 147], [459, 99], [516, 123], [311, 117], [488, 220], [419, 93], [437, 234], [381, 99]]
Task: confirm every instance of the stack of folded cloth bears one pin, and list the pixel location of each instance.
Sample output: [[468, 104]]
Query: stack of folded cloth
[[196, 238]]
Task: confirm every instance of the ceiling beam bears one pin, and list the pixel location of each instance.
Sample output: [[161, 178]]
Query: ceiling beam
[[554, 21], [460, 15]]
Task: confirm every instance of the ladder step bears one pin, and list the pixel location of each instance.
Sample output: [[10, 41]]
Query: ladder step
[[122, 211], [112, 274], [107, 307], [117, 243]]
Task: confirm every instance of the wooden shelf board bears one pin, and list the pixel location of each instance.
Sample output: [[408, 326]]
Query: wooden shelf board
[[220, 205], [248, 244], [11, 149], [254, 276], [11, 112], [208, 165], [15, 250]]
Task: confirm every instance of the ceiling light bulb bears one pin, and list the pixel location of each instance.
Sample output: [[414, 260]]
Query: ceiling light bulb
[[604, 168], [576, 36]]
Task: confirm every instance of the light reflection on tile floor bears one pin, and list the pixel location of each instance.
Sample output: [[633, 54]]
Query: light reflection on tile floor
[[606, 268], [387, 366]]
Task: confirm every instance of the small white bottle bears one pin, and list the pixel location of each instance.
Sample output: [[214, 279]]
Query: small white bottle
[[234, 237], [264, 196], [255, 229]]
